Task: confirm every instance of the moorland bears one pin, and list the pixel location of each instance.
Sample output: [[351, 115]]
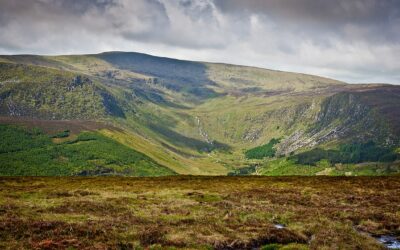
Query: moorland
[[189, 212]]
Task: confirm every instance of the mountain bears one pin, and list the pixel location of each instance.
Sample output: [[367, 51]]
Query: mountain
[[185, 117]]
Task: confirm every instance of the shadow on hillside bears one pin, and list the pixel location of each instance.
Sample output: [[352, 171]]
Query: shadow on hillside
[[156, 97], [184, 141], [177, 75]]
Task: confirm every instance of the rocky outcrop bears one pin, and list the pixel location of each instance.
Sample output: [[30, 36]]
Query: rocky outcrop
[[343, 116]]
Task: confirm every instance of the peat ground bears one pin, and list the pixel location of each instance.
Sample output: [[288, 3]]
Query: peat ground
[[188, 212]]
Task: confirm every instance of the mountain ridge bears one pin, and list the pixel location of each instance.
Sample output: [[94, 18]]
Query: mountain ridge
[[176, 59], [201, 116]]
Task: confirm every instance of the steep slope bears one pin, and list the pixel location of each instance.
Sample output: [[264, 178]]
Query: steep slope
[[195, 117], [350, 116], [35, 91], [33, 153]]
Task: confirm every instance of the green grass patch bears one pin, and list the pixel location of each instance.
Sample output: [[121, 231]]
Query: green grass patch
[[266, 150], [30, 152], [284, 166], [349, 153], [15, 139], [62, 134]]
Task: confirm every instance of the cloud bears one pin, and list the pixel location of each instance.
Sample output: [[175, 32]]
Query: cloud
[[352, 40]]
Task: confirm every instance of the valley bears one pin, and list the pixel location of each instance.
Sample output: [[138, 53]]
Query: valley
[[199, 125], [200, 118]]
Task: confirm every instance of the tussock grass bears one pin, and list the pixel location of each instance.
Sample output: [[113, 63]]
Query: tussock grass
[[187, 212]]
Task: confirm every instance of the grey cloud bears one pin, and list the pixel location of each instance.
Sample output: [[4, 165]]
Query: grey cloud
[[377, 20], [333, 11], [355, 40], [198, 9]]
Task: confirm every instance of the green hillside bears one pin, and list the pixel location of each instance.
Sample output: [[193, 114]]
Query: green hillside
[[31, 152], [200, 118]]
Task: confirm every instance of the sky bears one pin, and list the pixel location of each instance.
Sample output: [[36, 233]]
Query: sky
[[357, 41]]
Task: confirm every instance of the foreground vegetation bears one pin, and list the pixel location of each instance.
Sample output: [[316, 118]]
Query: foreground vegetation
[[185, 212]]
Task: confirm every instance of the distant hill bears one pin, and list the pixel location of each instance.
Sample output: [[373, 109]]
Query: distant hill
[[191, 117]]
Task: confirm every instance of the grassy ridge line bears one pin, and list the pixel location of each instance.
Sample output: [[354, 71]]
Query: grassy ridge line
[[235, 77], [223, 74]]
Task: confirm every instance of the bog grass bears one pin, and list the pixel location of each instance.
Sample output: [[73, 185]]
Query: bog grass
[[188, 212]]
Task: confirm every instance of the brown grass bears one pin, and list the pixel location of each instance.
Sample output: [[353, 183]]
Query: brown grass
[[54, 126], [197, 212]]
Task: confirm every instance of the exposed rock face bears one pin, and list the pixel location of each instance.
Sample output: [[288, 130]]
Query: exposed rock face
[[252, 134], [203, 133], [343, 116]]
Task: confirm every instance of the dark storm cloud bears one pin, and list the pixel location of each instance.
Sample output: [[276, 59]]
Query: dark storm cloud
[[355, 40]]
